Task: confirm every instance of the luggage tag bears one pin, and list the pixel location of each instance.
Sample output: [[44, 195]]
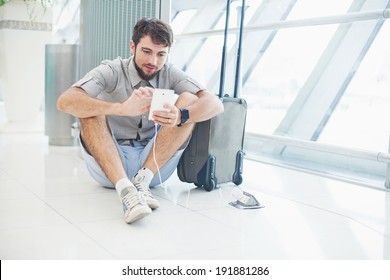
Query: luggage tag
[[245, 200]]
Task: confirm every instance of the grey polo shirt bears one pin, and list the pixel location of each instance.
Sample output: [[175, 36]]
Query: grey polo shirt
[[115, 80]]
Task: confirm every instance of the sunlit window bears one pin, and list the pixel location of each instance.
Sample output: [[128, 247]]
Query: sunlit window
[[181, 19], [325, 83], [279, 76], [361, 119]]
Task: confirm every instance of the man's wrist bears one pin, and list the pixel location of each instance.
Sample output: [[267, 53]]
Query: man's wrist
[[184, 116]]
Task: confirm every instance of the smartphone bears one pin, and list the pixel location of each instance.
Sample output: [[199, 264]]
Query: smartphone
[[161, 97]]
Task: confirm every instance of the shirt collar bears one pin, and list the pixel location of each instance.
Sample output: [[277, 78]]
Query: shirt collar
[[135, 79]]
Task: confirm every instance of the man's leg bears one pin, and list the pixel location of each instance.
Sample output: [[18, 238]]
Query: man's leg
[[168, 141], [98, 140]]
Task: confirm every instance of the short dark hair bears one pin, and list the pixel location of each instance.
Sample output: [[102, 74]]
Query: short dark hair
[[159, 31]]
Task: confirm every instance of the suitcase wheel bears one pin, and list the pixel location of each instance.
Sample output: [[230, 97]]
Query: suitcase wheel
[[211, 180], [210, 185], [237, 176], [237, 179]]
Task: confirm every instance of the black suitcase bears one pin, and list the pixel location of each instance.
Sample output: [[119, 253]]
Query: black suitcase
[[215, 153]]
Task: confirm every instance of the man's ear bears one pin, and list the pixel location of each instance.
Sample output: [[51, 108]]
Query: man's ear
[[132, 47]]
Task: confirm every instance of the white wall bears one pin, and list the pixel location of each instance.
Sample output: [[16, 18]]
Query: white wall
[[22, 59]]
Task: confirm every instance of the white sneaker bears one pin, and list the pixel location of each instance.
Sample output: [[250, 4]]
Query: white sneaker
[[134, 205], [144, 189]]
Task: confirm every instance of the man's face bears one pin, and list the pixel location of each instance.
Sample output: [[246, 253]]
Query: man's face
[[149, 58]]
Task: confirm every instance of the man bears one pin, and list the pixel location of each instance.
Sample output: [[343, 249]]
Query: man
[[112, 103]]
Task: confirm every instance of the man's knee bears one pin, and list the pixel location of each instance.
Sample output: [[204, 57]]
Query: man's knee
[[94, 130], [93, 123]]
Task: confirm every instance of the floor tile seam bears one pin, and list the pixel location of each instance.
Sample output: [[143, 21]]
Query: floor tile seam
[[49, 196], [74, 226], [183, 205], [67, 222], [372, 184], [203, 209], [200, 212], [280, 193], [22, 228], [23, 185], [238, 229], [189, 208], [163, 256], [382, 234], [62, 216], [346, 216], [94, 240], [14, 197], [301, 201], [70, 195], [352, 219], [34, 227]]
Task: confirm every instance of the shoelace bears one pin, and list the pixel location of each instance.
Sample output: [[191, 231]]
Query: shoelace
[[142, 188], [130, 200]]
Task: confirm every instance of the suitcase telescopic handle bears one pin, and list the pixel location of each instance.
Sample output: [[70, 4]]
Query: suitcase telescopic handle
[[237, 76], [224, 47]]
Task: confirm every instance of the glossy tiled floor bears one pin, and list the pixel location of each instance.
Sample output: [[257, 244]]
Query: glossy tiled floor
[[51, 209]]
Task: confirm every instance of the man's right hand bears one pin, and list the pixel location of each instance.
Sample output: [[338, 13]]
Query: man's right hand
[[138, 102]]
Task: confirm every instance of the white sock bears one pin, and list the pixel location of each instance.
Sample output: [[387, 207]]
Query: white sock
[[123, 183], [145, 175]]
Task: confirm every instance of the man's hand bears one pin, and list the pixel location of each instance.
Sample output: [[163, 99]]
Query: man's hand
[[170, 118], [138, 102]]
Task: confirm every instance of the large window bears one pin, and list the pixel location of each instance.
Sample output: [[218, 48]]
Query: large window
[[362, 118], [314, 71], [283, 70]]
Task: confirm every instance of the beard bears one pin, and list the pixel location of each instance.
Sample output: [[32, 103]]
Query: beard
[[142, 74]]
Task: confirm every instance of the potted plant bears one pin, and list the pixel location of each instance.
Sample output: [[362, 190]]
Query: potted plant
[[33, 11]]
